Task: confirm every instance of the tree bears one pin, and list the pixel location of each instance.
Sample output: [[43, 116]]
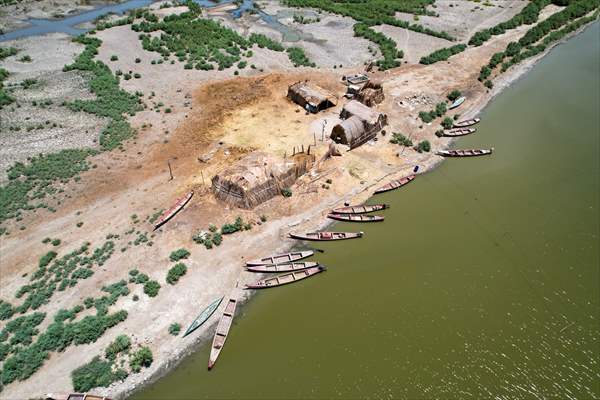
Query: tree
[[424, 146], [453, 95], [447, 123], [141, 358], [179, 254], [151, 288]]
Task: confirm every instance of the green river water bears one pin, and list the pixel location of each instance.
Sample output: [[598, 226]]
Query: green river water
[[482, 282]]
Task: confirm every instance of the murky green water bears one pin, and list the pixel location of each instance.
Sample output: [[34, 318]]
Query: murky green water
[[483, 282]]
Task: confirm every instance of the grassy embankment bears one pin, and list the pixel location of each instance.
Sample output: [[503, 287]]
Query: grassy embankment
[[373, 13]]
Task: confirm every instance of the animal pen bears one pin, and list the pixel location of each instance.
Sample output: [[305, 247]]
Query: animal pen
[[259, 177], [312, 98], [360, 124]]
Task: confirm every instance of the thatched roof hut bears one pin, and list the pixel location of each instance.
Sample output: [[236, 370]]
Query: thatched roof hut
[[311, 97], [360, 124], [259, 177], [371, 94]]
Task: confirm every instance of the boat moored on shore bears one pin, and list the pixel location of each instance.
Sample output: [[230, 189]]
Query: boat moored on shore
[[398, 183], [286, 267], [466, 123], [456, 132], [465, 153], [222, 332], [175, 208], [281, 258], [203, 317], [356, 218], [326, 236], [285, 279], [359, 209]]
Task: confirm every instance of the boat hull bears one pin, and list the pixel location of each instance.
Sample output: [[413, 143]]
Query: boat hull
[[325, 237], [457, 132], [281, 258], [278, 268], [222, 332], [464, 153], [203, 316], [466, 123], [286, 279], [353, 210], [170, 213], [396, 184], [356, 218]]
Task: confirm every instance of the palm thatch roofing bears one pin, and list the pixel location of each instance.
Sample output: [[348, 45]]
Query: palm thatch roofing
[[348, 131], [356, 108], [371, 94], [258, 177], [311, 97]]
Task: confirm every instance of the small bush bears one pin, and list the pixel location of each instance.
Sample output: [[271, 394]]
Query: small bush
[[120, 344], [151, 288], [398, 138], [447, 123], [96, 373], [174, 329], [56, 242], [424, 146], [141, 358], [137, 61], [453, 95], [176, 272], [114, 58], [286, 192], [179, 254]]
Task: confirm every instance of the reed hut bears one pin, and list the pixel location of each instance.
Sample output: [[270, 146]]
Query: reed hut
[[311, 97], [371, 94], [259, 177], [360, 124]]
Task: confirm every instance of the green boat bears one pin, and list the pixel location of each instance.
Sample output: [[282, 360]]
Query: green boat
[[204, 315]]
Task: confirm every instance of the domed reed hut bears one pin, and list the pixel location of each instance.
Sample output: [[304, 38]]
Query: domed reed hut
[[259, 177], [360, 124], [311, 97]]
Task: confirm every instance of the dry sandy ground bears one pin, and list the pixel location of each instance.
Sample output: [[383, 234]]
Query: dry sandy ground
[[243, 113]]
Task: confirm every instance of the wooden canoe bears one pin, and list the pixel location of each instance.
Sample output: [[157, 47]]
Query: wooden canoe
[[465, 153], [179, 204], [74, 396], [356, 218], [326, 236], [281, 258], [455, 132], [286, 267], [467, 122], [457, 102], [359, 209], [284, 279], [398, 183], [222, 332], [204, 316]]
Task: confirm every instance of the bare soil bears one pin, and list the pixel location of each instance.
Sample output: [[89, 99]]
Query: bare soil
[[224, 116]]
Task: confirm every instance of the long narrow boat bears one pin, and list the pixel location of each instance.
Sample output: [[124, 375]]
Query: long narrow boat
[[222, 332], [203, 317], [356, 218], [284, 279], [457, 102], [467, 122], [465, 153], [179, 204], [326, 236], [74, 396], [281, 258], [398, 183], [455, 132], [286, 267], [359, 209]]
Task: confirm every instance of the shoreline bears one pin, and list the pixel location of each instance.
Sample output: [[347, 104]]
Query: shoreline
[[505, 81]]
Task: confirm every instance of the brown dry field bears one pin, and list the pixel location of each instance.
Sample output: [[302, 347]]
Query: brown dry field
[[229, 117]]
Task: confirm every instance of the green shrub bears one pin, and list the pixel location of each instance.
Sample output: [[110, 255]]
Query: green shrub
[[453, 95], [426, 116], [398, 138], [96, 373], [151, 288], [174, 329], [121, 344], [179, 254], [442, 54], [176, 272], [447, 123], [227, 229], [114, 58], [424, 146], [140, 358], [217, 239], [46, 258], [299, 58], [56, 242], [6, 310], [7, 52], [488, 84], [286, 192], [25, 59]]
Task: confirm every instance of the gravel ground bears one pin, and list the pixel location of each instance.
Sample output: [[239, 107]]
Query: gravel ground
[[46, 126]]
